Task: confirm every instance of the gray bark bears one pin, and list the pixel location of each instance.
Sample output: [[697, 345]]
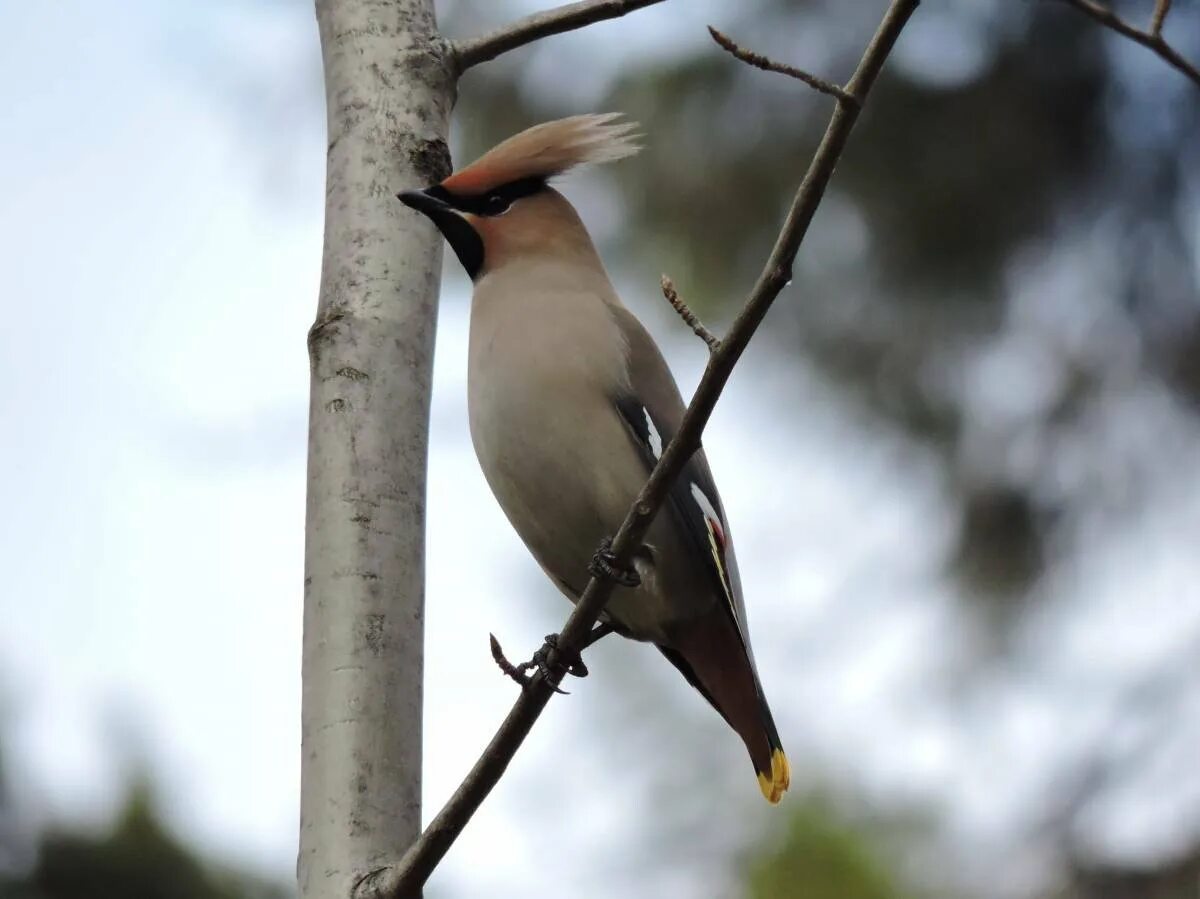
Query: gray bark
[[389, 90]]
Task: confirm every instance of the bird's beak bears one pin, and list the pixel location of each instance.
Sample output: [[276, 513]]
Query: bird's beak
[[424, 203], [457, 230]]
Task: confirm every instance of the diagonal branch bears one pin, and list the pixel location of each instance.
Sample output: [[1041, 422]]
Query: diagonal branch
[[750, 58], [1152, 38], [406, 879], [524, 31]]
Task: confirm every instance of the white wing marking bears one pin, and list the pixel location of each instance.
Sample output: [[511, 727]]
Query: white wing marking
[[655, 438], [705, 504]]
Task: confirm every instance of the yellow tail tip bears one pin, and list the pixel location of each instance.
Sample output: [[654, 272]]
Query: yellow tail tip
[[774, 786]]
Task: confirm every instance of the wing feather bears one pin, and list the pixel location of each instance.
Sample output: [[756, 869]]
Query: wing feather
[[652, 410]]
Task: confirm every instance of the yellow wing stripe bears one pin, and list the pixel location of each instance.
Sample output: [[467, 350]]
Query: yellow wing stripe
[[719, 560]]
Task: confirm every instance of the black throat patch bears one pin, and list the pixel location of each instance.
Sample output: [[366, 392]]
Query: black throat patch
[[464, 239]]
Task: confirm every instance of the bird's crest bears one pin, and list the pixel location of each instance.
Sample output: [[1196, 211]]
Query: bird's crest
[[547, 150]]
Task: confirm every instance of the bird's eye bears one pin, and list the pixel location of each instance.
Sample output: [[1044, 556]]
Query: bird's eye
[[496, 204]]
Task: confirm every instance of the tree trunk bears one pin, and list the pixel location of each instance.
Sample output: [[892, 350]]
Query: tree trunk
[[389, 90]]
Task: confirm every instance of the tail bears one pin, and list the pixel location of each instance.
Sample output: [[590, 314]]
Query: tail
[[776, 777], [709, 652]]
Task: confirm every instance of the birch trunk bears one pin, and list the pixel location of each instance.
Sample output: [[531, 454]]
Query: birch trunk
[[389, 90]]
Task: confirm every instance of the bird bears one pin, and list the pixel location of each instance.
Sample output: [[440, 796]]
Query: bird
[[570, 405]]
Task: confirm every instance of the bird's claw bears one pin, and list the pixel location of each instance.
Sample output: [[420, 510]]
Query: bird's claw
[[570, 662], [566, 663], [604, 564]]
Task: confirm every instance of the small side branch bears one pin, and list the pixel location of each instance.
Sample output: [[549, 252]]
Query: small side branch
[[406, 878], [1161, 8], [689, 317], [516, 672], [539, 25], [769, 65], [1152, 38]]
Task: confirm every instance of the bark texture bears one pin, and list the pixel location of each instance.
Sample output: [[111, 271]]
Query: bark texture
[[389, 90]]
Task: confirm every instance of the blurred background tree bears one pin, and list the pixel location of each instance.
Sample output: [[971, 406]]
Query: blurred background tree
[[135, 855], [1004, 280], [1008, 139]]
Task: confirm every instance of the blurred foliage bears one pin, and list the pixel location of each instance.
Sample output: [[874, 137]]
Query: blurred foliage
[[1175, 879], [1000, 549], [138, 857], [1010, 247], [999, 133], [821, 857], [952, 178]]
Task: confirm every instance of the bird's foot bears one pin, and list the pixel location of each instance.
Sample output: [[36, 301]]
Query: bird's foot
[[604, 564], [565, 663]]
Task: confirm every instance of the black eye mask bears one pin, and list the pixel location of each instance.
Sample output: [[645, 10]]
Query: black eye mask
[[444, 209], [494, 202]]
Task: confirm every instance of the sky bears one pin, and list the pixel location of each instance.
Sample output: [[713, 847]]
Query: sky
[[161, 226]]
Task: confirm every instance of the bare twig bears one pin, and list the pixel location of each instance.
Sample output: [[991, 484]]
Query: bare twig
[[1159, 16], [689, 317], [406, 878], [539, 25], [769, 65], [516, 672], [1152, 39]]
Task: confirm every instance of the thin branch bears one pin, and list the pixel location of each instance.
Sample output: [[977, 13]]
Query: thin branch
[[1152, 39], [769, 65], [524, 31], [516, 672], [1161, 8], [406, 878], [689, 317]]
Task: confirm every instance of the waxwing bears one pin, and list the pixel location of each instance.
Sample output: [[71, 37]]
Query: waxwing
[[570, 405]]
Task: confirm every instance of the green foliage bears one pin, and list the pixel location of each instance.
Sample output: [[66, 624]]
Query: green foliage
[[821, 858], [138, 857]]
